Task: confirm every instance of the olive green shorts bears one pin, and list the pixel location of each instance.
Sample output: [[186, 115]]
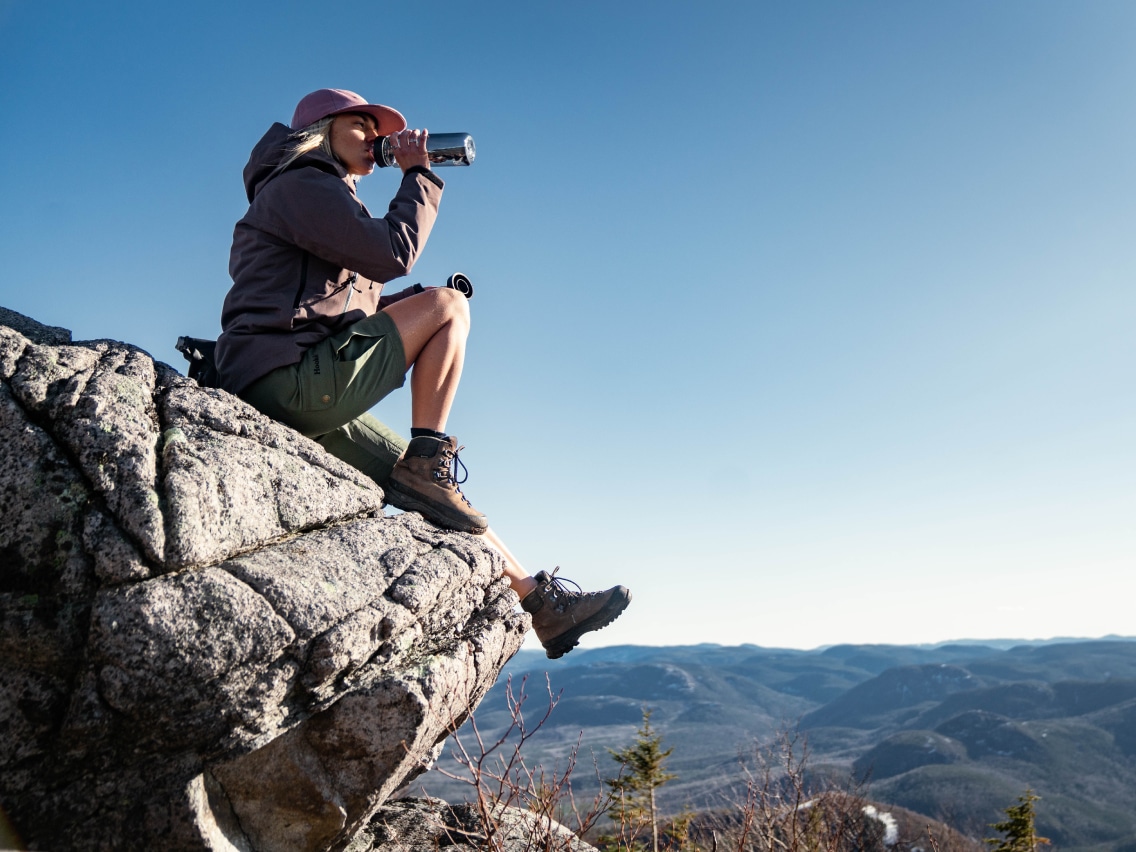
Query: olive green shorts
[[327, 395]]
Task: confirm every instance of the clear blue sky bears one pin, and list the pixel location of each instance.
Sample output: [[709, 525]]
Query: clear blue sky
[[810, 322]]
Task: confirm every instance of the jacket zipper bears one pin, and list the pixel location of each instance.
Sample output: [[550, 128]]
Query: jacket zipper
[[350, 290], [303, 282]]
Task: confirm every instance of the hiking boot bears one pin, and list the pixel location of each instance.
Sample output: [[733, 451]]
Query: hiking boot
[[424, 480], [560, 616]]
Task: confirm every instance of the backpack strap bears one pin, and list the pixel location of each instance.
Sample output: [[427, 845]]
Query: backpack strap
[[199, 354]]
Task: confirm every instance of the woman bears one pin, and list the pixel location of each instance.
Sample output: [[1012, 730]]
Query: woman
[[309, 339]]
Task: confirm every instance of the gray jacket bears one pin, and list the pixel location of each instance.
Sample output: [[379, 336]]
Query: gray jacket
[[308, 259]]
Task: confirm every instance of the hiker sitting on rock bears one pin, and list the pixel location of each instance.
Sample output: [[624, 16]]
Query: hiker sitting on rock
[[309, 339]]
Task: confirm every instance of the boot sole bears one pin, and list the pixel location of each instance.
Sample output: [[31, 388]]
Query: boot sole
[[429, 511], [566, 641]]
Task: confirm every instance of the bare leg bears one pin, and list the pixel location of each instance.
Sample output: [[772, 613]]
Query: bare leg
[[559, 615], [518, 578], [434, 327]]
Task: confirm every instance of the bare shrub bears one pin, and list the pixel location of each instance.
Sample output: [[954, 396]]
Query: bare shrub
[[783, 807], [779, 805], [526, 807], [781, 812]]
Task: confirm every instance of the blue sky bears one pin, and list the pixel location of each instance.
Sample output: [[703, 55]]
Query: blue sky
[[810, 322]]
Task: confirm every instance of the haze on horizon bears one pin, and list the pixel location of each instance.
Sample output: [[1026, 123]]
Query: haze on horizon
[[811, 323]]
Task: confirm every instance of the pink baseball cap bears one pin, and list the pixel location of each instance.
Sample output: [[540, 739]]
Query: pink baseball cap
[[325, 102]]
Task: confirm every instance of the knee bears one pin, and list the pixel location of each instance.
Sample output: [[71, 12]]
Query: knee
[[453, 306]]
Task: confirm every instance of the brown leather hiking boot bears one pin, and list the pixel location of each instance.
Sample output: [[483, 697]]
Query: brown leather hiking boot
[[424, 480], [560, 616]]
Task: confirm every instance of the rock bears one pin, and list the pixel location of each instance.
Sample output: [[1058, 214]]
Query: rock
[[427, 825], [211, 635]]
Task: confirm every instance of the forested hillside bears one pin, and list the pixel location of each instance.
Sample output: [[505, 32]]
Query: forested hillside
[[954, 732]]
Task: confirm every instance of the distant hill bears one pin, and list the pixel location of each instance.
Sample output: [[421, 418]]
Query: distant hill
[[894, 694], [954, 732]]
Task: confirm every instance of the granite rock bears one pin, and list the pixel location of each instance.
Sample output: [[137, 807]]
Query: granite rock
[[212, 636]]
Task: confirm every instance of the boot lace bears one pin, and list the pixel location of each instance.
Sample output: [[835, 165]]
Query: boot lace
[[560, 594], [446, 471]]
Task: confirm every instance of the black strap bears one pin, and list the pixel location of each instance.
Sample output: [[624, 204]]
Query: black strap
[[199, 354]]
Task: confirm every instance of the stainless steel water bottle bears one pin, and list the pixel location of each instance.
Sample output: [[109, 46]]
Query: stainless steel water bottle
[[443, 149]]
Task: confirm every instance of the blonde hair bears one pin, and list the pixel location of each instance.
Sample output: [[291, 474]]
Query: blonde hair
[[315, 135]]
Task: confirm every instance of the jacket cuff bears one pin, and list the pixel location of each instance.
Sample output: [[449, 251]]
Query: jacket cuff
[[430, 176]]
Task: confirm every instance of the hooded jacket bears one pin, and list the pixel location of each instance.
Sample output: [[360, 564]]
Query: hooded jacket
[[308, 259]]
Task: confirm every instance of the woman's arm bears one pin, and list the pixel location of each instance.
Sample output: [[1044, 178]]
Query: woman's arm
[[318, 212]]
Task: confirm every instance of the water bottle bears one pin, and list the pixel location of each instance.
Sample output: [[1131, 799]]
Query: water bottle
[[443, 149]]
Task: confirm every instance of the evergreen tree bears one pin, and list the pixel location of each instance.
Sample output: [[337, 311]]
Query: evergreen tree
[[642, 772], [1018, 833]]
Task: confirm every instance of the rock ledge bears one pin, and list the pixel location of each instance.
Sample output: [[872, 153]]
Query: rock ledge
[[210, 635]]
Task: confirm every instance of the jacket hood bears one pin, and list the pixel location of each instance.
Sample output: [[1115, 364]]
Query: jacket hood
[[267, 155]]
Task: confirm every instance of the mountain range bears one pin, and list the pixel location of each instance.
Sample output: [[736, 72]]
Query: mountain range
[[955, 732]]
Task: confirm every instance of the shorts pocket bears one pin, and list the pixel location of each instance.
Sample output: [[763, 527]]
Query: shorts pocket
[[357, 347], [367, 368], [318, 378]]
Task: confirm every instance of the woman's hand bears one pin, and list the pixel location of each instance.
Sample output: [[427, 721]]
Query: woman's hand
[[409, 148]]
